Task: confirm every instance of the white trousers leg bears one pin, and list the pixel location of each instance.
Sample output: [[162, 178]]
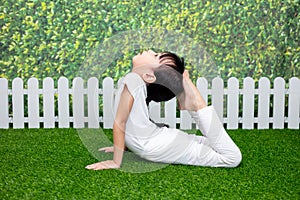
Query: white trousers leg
[[215, 148]]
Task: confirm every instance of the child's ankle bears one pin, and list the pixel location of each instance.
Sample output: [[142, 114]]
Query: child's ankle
[[198, 106]]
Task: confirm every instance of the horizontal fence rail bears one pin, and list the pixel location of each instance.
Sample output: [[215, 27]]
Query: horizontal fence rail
[[238, 106]]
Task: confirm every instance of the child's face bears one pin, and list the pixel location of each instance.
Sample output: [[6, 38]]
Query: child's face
[[145, 63], [146, 58]]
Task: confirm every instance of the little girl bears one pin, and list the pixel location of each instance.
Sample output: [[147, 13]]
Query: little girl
[[133, 127]]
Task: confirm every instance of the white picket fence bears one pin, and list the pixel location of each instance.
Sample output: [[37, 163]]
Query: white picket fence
[[237, 107]]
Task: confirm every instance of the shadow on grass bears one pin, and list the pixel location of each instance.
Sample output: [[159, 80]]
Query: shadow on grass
[[93, 139]]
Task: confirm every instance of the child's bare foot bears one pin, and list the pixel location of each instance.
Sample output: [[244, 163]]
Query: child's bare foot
[[190, 99]]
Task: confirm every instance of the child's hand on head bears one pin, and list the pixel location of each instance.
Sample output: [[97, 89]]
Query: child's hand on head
[[190, 99]]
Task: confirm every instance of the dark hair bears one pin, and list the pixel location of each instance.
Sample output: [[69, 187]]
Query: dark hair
[[168, 82], [176, 62]]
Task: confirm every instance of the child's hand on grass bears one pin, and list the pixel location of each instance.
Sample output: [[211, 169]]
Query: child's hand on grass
[[108, 164], [107, 149]]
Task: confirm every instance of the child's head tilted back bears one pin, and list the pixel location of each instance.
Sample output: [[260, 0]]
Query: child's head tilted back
[[168, 84], [162, 72]]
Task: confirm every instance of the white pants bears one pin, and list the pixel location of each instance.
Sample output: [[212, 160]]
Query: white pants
[[215, 148]]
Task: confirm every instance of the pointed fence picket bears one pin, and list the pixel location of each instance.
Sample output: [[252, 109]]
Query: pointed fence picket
[[217, 93], [18, 103], [93, 103], [48, 103], [4, 117], [294, 99], [33, 103], [78, 103], [233, 103], [108, 99], [63, 103], [263, 103], [279, 102], [80, 106], [170, 113], [248, 104]]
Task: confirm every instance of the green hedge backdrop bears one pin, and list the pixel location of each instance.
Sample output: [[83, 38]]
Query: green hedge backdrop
[[253, 38]]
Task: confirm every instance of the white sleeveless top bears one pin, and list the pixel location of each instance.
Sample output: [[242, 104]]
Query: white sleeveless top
[[142, 136]]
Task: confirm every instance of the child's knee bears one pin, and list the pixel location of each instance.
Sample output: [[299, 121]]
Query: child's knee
[[236, 158]]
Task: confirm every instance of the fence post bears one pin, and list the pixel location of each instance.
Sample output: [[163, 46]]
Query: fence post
[[263, 103], [33, 103], [248, 103], [48, 103], [279, 102], [93, 103], [63, 103], [18, 103], [294, 101], [108, 100], [78, 103], [202, 86], [233, 103], [4, 118], [170, 113], [217, 96]]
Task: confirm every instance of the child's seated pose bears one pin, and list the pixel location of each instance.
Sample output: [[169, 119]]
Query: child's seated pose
[[160, 77]]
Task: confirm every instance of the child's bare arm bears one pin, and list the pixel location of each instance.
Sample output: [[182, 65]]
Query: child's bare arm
[[109, 149], [123, 111]]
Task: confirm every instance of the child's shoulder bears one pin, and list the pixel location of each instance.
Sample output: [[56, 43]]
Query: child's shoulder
[[133, 80], [133, 76]]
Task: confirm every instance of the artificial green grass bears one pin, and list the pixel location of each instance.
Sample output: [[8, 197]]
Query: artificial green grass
[[49, 164]]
